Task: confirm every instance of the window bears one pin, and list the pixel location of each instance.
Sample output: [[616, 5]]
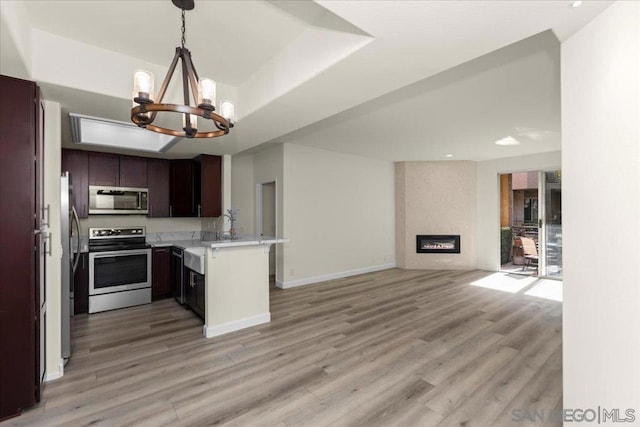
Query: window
[[530, 209]]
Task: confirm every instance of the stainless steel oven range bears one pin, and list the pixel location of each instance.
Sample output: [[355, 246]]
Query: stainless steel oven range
[[119, 268]]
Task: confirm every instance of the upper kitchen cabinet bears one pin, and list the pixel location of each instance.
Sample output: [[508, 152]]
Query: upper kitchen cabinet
[[158, 174], [133, 172], [184, 177], [113, 170], [196, 187], [210, 185], [104, 169], [76, 162]]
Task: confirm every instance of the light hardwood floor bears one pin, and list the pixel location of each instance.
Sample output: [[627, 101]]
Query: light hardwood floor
[[397, 347]]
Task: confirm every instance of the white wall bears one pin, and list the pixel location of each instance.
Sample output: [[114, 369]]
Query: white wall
[[15, 40], [336, 209], [269, 219], [237, 290], [242, 193], [488, 240], [248, 170], [601, 211], [338, 214], [52, 153], [436, 198]]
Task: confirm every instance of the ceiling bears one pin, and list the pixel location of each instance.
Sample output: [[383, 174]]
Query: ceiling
[[395, 80]]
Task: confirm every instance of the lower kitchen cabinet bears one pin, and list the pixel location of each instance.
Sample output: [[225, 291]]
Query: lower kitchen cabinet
[[194, 292], [81, 285], [161, 273]]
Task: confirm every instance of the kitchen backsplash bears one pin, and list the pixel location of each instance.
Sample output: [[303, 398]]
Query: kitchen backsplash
[[174, 236], [152, 225]]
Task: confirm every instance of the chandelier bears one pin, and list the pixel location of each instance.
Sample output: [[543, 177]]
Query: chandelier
[[203, 92]]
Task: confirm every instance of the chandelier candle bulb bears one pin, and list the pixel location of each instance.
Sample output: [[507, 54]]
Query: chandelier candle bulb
[[227, 110], [206, 93], [143, 85], [193, 121]]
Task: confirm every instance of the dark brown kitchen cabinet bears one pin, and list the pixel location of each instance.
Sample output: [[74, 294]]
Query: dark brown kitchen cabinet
[[22, 245], [104, 169], [210, 185], [161, 273], [114, 170], [182, 193], [196, 186], [158, 174], [194, 292], [76, 162], [133, 172], [81, 285]]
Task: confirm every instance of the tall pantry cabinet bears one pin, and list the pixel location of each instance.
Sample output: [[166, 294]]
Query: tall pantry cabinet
[[23, 243]]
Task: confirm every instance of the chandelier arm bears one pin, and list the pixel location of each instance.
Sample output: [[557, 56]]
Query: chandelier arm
[[193, 77], [185, 90], [168, 76]]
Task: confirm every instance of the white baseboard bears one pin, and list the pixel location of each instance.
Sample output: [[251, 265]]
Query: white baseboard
[[332, 276], [225, 328], [50, 376]]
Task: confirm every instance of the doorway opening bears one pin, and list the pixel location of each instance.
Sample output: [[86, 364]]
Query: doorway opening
[[531, 223], [267, 221]]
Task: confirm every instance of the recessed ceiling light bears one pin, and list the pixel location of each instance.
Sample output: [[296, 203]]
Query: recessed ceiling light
[[449, 155], [509, 140], [576, 3]]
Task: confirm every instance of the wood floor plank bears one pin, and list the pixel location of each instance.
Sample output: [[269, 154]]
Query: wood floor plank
[[390, 348]]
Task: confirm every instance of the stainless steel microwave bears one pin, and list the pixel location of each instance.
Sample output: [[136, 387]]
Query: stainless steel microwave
[[118, 200]]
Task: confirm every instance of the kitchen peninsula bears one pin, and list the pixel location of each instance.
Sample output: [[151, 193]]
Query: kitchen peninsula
[[236, 280]]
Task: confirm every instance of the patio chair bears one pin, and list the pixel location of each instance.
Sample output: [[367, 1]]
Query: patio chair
[[530, 252]]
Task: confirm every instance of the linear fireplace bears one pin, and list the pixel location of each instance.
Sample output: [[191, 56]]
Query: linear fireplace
[[438, 244]]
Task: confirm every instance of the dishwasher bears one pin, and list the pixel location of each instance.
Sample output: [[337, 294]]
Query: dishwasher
[[177, 274]]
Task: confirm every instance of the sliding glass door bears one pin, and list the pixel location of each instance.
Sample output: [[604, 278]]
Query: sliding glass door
[[550, 222]]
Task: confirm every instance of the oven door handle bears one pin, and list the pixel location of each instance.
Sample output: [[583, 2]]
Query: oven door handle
[[78, 249], [125, 252]]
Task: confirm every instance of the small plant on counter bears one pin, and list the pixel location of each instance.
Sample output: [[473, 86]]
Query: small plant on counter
[[232, 214]]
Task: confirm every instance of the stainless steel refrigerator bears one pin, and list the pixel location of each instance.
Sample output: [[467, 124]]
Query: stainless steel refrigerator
[[70, 232]]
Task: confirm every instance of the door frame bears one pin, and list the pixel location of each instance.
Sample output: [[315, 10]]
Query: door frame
[[541, 219], [259, 215], [542, 224]]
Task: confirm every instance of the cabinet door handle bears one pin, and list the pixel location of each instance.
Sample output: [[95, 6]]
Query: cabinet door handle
[[48, 209], [170, 211], [199, 209], [47, 244]]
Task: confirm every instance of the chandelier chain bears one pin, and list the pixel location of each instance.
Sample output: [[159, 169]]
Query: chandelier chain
[[183, 29]]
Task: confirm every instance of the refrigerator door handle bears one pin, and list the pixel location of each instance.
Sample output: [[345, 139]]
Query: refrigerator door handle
[[77, 224]]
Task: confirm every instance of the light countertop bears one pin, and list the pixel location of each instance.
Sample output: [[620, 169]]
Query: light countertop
[[225, 243]]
